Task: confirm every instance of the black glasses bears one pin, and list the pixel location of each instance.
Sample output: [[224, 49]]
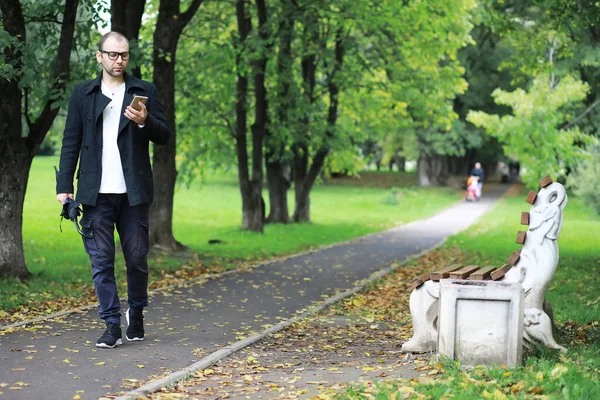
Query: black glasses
[[113, 55]]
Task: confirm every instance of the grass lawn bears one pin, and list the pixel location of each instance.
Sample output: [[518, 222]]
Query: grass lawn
[[574, 294], [340, 210]]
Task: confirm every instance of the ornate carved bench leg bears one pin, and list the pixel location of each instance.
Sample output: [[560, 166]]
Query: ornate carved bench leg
[[538, 328], [424, 312]]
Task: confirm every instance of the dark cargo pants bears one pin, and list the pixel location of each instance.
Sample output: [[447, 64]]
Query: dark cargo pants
[[99, 222]]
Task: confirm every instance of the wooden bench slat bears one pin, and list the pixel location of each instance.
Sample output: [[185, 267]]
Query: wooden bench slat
[[419, 280], [500, 272], [521, 235], [514, 257], [444, 272], [545, 181], [482, 274], [524, 218], [531, 197], [464, 272]]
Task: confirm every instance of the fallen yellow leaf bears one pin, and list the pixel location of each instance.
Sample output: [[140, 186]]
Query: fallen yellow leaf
[[558, 371], [539, 376]]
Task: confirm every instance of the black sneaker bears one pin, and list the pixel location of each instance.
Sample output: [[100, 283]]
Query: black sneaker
[[111, 337], [135, 325]]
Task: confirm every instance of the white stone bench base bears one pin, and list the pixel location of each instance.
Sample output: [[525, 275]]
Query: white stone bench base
[[481, 322]]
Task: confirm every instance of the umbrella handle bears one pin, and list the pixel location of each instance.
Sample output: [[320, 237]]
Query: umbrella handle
[[80, 230]]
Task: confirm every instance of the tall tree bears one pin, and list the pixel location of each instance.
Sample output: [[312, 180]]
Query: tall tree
[[18, 143], [260, 128], [301, 138], [169, 26], [250, 184], [276, 163], [305, 175]]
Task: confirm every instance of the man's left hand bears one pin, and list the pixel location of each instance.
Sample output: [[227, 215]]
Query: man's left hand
[[139, 117]]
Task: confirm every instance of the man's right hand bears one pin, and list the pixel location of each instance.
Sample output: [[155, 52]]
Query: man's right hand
[[62, 197]]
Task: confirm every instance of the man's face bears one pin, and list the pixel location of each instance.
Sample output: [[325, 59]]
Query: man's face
[[111, 46]]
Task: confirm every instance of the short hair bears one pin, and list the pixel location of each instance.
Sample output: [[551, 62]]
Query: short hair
[[117, 35]]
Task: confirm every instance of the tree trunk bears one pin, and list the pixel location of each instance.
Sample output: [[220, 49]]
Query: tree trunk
[[302, 204], [278, 184], [458, 166], [260, 128], [278, 181], [252, 205], [300, 148], [305, 180], [126, 18], [15, 162], [432, 170], [16, 151], [400, 163], [302, 207], [169, 26]]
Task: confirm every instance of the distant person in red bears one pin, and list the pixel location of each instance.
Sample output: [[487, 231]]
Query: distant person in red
[[472, 188], [109, 140], [478, 172]]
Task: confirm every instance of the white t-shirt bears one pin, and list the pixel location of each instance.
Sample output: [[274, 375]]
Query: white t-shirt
[[113, 180]]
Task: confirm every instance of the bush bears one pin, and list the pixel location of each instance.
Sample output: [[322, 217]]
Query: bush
[[393, 197]]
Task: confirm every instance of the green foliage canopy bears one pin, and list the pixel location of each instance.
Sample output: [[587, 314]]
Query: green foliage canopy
[[537, 133]]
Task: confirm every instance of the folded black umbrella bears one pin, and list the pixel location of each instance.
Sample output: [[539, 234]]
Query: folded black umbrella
[[71, 210]]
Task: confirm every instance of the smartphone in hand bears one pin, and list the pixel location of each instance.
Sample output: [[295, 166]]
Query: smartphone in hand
[[135, 103]]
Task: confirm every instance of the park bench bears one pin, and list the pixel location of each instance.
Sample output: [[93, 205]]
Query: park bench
[[529, 269], [475, 272]]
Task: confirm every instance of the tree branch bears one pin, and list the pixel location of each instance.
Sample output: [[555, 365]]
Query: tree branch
[[49, 18], [583, 114], [61, 76], [221, 115], [188, 14]]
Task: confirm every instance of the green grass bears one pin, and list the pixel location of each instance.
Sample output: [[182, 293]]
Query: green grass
[[574, 294], [340, 210]]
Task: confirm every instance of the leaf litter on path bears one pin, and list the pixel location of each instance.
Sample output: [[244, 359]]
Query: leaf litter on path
[[355, 340]]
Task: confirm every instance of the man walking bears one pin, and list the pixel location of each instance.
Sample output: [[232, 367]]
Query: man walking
[[110, 140]]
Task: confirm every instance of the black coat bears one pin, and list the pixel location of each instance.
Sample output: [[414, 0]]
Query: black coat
[[478, 172], [83, 141]]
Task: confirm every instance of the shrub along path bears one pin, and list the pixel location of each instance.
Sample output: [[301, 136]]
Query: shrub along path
[[185, 325]]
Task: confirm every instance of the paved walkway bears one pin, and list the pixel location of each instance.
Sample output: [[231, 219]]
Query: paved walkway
[[57, 359]]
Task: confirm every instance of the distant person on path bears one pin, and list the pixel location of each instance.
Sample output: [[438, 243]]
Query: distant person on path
[[472, 187], [115, 186], [478, 172]]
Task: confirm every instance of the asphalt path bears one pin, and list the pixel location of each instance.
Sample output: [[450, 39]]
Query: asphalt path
[[57, 358]]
